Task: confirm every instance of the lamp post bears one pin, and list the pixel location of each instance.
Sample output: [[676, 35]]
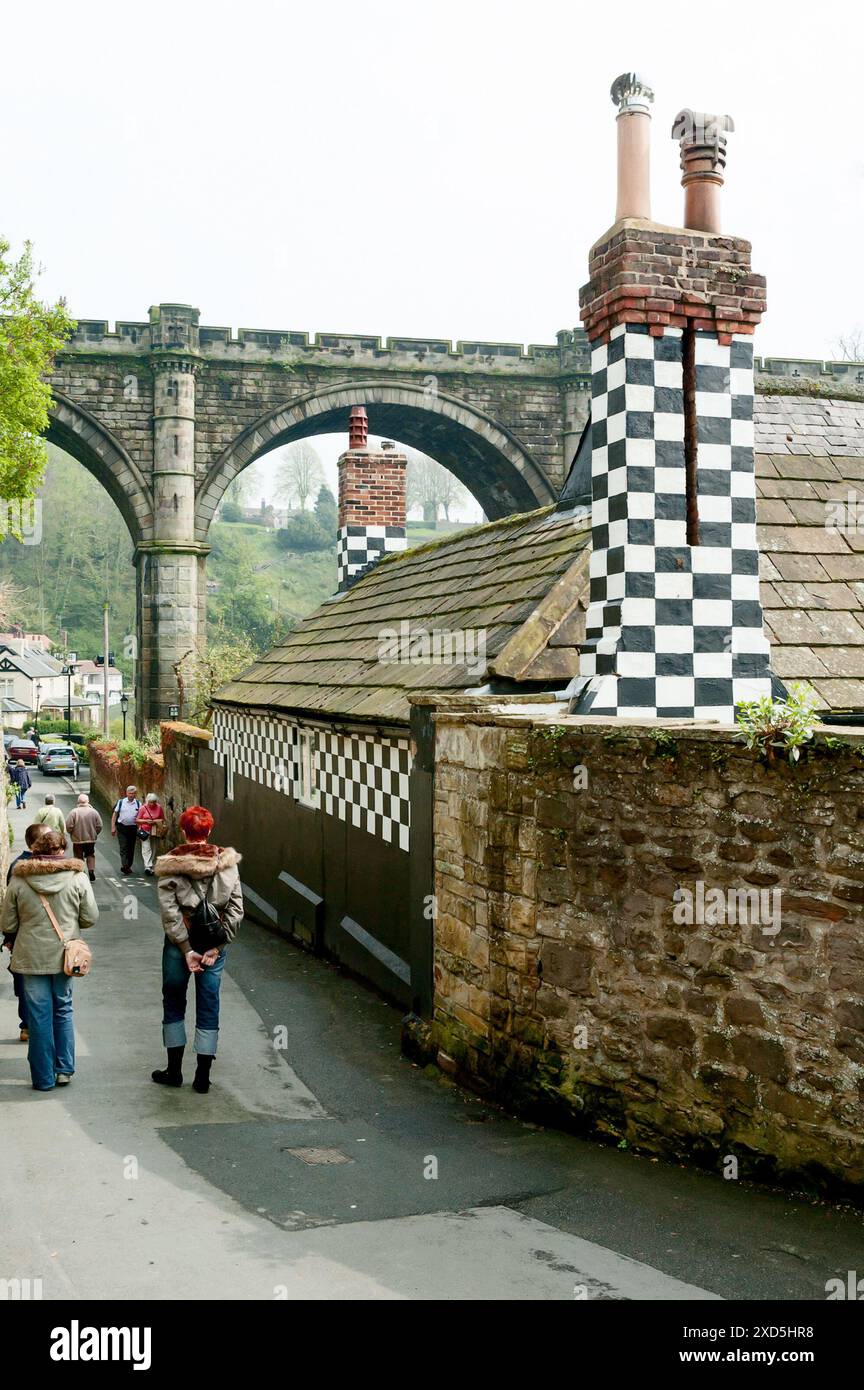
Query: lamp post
[[124, 705], [38, 699], [69, 671]]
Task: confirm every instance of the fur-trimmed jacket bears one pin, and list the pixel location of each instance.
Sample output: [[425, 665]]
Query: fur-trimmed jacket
[[38, 949], [183, 874]]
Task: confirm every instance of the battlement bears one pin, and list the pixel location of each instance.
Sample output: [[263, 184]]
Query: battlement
[[571, 352], [289, 345]]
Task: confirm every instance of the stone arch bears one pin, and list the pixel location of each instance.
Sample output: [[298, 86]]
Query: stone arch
[[80, 434], [488, 459]]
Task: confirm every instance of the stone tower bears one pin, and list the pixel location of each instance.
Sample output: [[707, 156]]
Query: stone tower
[[674, 627]]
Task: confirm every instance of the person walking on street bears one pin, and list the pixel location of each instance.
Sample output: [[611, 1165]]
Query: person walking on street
[[43, 887], [151, 826], [84, 824], [29, 836], [20, 779], [124, 824], [197, 880], [51, 816]]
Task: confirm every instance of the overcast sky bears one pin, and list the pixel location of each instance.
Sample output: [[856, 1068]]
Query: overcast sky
[[363, 166]]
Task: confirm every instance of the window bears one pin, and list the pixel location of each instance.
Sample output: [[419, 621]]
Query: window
[[307, 781], [7, 689]]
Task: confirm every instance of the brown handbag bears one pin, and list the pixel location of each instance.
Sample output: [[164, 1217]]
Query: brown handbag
[[77, 956]]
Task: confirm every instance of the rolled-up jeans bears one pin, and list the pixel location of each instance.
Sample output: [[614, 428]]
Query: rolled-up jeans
[[175, 982], [52, 1031]]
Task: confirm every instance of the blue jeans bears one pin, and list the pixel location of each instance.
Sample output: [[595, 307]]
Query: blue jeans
[[20, 795], [52, 1031], [175, 982]]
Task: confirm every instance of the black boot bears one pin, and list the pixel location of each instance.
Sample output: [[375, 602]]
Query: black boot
[[172, 1075], [201, 1084]]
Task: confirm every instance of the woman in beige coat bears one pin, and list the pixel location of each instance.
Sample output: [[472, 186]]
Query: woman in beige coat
[[37, 950], [194, 870]]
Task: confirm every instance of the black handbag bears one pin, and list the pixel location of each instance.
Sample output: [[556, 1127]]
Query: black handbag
[[204, 924]]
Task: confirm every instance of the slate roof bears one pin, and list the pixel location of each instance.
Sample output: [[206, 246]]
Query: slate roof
[[524, 581], [811, 455], [502, 580]]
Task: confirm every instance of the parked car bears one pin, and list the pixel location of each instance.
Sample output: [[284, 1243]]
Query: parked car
[[58, 757], [23, 748]]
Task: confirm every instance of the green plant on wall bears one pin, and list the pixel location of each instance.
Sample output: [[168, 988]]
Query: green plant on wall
[[785, 725]]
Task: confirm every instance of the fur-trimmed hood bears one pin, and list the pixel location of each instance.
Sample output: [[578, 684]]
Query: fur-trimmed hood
[[30, 868], [196, 861]]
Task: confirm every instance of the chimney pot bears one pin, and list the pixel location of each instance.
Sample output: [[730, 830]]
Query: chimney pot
[[702, 139], [633, 97], [358, 427]]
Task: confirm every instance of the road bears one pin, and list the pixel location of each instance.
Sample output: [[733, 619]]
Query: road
[[324, 1165]]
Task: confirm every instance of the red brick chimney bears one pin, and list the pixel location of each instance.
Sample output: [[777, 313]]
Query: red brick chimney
[[372, 501]]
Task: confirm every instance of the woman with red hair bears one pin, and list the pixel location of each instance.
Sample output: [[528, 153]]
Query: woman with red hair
[[201, 902]]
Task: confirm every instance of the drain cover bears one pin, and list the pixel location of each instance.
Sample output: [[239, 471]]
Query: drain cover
[[321, 1155]]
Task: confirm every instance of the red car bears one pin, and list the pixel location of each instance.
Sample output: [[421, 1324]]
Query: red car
[[23, 748]]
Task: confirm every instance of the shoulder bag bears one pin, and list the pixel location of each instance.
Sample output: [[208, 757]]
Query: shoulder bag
[[77, 956]]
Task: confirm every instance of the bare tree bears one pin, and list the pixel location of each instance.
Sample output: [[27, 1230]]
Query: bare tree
[[430, 486], [849, 347], [246, 487], [451, 492], [300, 474]]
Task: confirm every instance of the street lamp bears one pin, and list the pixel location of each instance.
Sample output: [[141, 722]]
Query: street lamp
[[38, 699], [68, 671], [173, 711], [124, 705]]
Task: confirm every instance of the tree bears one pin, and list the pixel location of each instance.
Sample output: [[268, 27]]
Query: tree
[[430, 486], [209, 665], [326, 511], [245, 490], [451, 493], [300, 474], [31, 333], [849, 347]]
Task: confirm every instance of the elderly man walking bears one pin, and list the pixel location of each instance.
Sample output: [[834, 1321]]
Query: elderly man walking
[[124, 824], [51, 816], [84, 824]]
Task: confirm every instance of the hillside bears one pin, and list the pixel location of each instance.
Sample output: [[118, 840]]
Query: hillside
[[256, 589]]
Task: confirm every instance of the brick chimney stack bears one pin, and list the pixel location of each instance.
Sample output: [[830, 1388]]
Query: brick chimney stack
[[674, 627], [372, 502]]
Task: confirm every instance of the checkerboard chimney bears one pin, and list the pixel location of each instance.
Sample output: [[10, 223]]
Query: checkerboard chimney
[[674, 627], [372, 506]]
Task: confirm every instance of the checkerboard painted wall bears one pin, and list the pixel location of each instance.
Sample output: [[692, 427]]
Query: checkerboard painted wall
[[673, 630], [358, 547], [360, 778]]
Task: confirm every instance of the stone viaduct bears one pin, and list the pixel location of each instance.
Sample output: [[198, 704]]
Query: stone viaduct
[[166, 413]]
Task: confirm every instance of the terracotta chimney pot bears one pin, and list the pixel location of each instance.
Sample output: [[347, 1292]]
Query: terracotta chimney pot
[[633, 97], [702, 138]]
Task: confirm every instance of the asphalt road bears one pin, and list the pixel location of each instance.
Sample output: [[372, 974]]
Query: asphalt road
[[324, 1165]]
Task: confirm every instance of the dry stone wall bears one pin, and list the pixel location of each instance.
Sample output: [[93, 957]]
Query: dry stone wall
[[569, 980]]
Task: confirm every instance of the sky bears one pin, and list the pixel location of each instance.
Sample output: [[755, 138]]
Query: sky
[[401, 169]]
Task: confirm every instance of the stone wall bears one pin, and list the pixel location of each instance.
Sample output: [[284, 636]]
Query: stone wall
[[564, 982], [181, 747], [110, 775]]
